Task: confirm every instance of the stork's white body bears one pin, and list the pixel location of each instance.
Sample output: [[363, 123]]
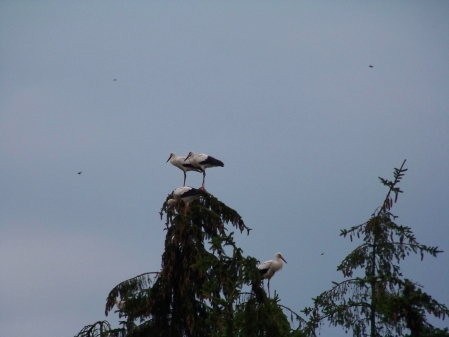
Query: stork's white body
[[203, 161], [186, 194], [183, 164], [120, 304], [270, 267]]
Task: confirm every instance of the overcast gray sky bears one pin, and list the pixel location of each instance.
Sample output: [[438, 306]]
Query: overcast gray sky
[[281, 92]]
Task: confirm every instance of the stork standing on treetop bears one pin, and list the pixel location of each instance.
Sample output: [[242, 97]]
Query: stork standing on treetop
[[183, 164], [202, 161], [186, 194], [270, 267]]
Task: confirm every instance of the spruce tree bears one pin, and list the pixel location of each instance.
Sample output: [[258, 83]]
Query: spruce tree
[[381, 302], [206, 286]]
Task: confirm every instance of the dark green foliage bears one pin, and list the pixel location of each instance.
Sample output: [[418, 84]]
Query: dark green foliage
[[379, 303], [101, 329], [206, 286], [410, 306], [433, 332]]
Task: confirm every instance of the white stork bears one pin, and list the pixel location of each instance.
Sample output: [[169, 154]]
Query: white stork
[[183, 164], [203, 161], [270, 267], [186, 194], [120, 304]]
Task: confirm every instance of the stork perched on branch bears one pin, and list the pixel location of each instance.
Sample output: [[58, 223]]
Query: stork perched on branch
[[120, 304], [186, 194], [270, 267]]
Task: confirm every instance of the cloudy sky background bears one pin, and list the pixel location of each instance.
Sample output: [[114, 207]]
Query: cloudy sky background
[[281, 92]]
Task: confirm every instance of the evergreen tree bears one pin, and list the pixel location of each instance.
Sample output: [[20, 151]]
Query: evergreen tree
[[206, 286], [96, 329], [381, 302]]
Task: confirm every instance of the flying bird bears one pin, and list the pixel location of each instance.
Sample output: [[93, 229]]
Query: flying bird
[[187, 194], [80, 172], [183, 164], [203, 161], [115, 79], [270, 267], [371, 66]]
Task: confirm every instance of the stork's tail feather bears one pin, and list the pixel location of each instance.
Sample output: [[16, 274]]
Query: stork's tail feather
[[213, 161]]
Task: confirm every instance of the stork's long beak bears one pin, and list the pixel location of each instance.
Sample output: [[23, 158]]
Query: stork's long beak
[[283, 258], [168, 159], [187, 157]]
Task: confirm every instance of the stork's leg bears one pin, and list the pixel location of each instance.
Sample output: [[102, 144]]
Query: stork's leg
[[269, 288], [185, 176], [185, 209], [204, 177]]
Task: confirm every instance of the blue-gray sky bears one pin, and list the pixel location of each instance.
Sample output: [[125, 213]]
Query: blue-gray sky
[[281, 92]]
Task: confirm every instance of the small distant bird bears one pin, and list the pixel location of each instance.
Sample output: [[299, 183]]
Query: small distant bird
[[80, 172], [186, 194], [203, 161], [115, 79], [120, 304], [270, 267], [322, 253], [183, 164], [371, 66]]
